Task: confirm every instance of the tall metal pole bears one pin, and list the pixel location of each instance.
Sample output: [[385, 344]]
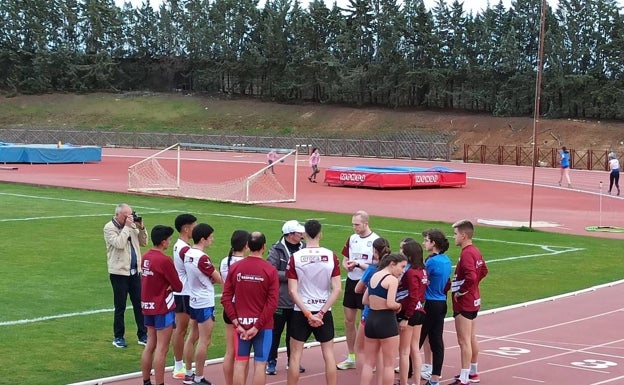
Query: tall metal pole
[[538, 95]]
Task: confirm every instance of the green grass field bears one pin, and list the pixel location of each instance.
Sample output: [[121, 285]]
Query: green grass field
[[56, 319]]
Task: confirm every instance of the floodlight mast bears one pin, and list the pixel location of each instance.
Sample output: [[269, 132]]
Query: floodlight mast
[[536, 112]]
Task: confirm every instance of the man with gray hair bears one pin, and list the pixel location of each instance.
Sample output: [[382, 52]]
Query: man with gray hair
[[124, 236]]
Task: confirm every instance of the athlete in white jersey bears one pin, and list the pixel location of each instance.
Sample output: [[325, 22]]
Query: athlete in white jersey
[[358, 254], [184, 224], [314, 284], [199, 271], [313, 267], [201, 276]]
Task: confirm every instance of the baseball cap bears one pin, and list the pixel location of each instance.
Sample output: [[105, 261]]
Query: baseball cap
[[292, 226]]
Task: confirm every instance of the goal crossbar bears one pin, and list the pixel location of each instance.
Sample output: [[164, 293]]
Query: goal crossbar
[[161, 172]]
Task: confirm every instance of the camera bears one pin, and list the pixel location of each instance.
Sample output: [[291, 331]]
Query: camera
[[136, 218]]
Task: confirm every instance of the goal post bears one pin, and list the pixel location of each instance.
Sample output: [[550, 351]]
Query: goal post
[[235, 173]]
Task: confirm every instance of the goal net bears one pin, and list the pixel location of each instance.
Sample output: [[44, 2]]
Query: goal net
[[220, 173]]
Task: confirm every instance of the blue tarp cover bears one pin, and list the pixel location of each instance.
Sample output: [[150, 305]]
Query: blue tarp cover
[[48, 153]]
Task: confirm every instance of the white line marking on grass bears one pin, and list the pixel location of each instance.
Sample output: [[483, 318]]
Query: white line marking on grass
[[56, 199], [71, 216], [66, 315], [156, 210], [51, 317], [552, 250]]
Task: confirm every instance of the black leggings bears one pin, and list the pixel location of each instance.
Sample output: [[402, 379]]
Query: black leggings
[[433, 327], [614, 177]]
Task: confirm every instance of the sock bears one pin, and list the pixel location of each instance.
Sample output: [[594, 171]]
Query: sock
[[463, 376], [351, 357], [189, 372], [178, 365], [473, 368], [426, 368], [198, 378]]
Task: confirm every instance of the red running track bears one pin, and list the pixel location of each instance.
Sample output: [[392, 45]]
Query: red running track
[[493, 192], [573, 339]]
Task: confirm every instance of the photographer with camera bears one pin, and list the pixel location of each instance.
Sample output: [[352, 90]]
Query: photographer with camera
[[124, 235]]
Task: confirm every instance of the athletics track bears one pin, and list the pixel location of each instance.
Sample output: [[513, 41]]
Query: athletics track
[[574, 339]]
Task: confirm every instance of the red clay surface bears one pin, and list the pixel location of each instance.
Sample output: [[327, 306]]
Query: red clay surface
[[570, 340]]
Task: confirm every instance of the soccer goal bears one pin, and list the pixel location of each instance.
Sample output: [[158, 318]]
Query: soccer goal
[[220, 173]]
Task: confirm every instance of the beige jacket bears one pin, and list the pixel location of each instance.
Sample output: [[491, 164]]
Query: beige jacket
[[118, 248]]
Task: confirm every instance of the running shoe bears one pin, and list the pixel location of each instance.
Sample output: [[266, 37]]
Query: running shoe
[[120, 342], [142, 341], [346, 364], [271, 368], [203, 381], [474, 378], [425, 372], [301, 369], [189, 379], [179, 374]]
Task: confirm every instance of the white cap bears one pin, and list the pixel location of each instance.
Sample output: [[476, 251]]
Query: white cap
[[292, 227]]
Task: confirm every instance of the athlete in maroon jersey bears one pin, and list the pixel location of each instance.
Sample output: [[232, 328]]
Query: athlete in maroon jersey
[[469, 272], [250, 298], [160, 280], [411, 295]]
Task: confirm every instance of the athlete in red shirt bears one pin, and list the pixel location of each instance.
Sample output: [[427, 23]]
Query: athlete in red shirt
[[160, 279], [411, 295], [469, 272], [249, 298]]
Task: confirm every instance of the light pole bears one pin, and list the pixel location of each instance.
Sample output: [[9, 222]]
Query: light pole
[[538, 95]]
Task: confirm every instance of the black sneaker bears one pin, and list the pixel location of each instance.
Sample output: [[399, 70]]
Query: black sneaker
[[189, 379], [204, 381], [301, 369]]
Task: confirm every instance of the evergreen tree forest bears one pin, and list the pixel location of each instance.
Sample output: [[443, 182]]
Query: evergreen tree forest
[[386, 53]]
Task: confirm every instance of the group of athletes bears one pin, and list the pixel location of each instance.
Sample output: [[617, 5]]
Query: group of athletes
[[403, 298]]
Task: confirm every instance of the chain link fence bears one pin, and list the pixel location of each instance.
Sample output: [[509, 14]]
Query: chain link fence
[[407, 145]]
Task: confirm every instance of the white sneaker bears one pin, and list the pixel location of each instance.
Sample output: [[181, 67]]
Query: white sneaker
[[346, 364], [179, 374], [425, 371]]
